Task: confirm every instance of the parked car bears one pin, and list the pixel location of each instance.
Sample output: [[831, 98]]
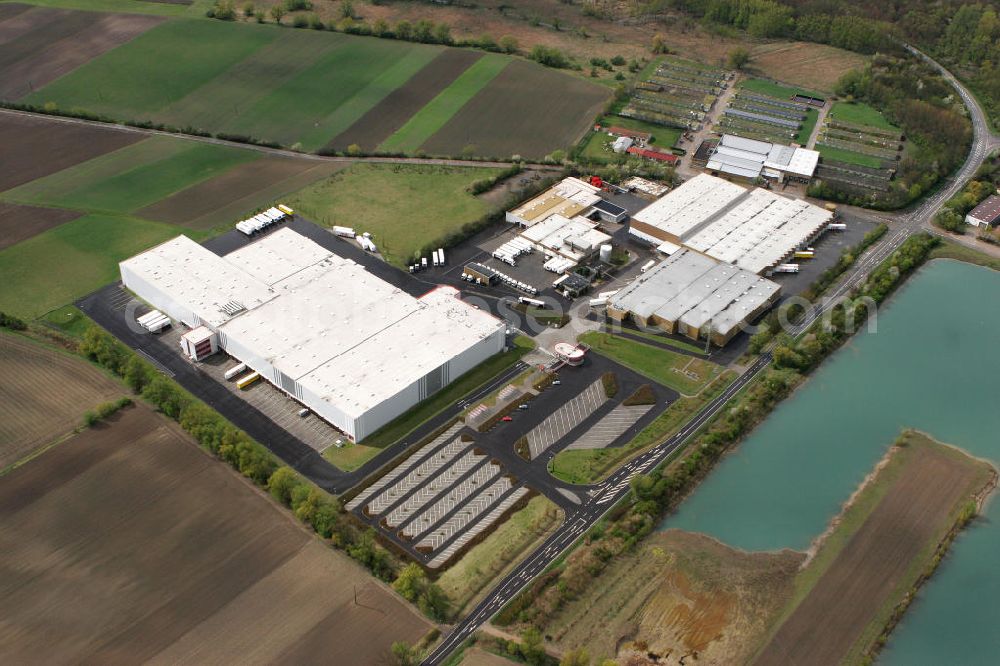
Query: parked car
[[506, 418]]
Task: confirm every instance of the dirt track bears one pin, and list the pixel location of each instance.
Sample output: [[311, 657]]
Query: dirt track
[[398, 106], [128, 543], [912, 515], [43, 395], [35, 146], [18, 223]]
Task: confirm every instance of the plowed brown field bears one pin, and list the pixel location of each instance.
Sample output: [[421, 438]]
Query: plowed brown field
[[127, 544], [238, 190], [39, 45], [881, 560], [18, 223], [34, 147], [396, 108], [43, 395], [499, 121]]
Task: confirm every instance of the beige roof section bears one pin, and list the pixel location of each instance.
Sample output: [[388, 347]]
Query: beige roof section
[[568, 197]]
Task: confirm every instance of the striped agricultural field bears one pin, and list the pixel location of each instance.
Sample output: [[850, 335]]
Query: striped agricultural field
[[132, 177], [439, 110], [318, 90]]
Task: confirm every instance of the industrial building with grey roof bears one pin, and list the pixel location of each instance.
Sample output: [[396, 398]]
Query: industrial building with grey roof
[[694, 295]]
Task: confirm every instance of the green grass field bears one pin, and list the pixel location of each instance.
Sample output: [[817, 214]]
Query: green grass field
[[71, 260], [426, 122], [782, 92], [294, 87], [660, 365], [860, 114], [156, 69], [404, 207], [132, 177], [850, 157], [808, 125], [670, 342], [221, 102], [305, 108]]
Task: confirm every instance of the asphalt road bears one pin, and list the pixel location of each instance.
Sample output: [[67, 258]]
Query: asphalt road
[[608, 494]]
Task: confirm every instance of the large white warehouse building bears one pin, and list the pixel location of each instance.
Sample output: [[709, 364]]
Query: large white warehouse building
[[354, 349], [753, 229]]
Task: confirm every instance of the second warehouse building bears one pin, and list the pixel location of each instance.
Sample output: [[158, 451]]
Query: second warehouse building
[[351, 347]]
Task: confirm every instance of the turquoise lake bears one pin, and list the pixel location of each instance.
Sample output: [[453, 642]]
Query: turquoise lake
[[933, 364]]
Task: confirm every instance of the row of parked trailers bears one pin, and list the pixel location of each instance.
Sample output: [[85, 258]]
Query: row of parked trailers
[[154, 321], [262, 221], [511, 250]]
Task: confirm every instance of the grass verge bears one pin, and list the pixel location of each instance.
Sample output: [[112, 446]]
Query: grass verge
[[849, 157], [683, 373]]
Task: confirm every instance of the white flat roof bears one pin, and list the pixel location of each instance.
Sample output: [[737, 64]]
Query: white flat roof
[[191, 274], [574, 237], [684, 210], [760, 231], [798, 161], [321, 319]]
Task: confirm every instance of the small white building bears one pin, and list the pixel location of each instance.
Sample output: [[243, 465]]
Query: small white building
[[622, 143]]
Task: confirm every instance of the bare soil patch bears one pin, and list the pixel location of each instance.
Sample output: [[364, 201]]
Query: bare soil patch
[[240, 189], [398, 106], [43, 395], [54, 42], [154, 551], [812, 66], [679, 594], [11, 9], [34, 147], [18, 223], [881, 559], [495, 121]]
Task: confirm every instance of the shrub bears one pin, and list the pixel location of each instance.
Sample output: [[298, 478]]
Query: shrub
[[610, 382], [11, 322], [549, 56]]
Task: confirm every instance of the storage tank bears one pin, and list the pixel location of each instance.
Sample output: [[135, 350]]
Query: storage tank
[[605, 254]]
